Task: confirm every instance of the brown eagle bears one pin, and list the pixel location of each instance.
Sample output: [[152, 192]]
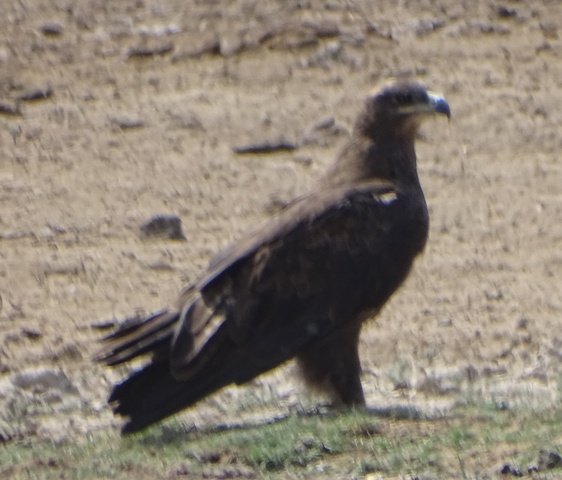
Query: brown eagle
[[301, 286]]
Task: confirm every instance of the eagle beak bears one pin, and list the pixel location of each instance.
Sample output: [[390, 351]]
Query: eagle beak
[[438, 104]]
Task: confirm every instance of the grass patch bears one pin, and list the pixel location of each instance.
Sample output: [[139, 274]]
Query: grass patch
[[471, 441]]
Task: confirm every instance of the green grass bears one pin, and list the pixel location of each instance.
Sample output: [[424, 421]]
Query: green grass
[[469, 442]]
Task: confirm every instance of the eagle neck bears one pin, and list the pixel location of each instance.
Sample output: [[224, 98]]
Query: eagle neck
[[394, 160], [384, 158]]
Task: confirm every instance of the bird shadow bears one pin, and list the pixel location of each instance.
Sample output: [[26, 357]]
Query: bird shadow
[[177, 431]]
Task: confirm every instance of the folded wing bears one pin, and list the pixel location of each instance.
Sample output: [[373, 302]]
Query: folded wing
[[268, 297]]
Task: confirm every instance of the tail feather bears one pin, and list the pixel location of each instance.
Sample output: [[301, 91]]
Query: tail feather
[[152, 393], [138, 337], [168, 383]]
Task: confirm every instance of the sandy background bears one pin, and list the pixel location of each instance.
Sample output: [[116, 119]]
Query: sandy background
[[480, 316]]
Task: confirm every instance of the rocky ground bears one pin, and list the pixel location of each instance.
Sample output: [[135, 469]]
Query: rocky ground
[[114, 112]]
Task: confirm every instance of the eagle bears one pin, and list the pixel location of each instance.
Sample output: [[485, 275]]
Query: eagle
[[299, 287]]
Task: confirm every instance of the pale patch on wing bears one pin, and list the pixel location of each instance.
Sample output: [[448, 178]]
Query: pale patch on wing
[[386, 198], [198, 326], [260, 260]]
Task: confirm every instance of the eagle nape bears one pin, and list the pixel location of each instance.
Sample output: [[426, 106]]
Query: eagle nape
[[299, 287]]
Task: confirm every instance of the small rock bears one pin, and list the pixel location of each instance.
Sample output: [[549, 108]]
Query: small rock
[[509, 470], [549, 460], [323, 28], [267, 146], [42, 380], [57, 229], [36, 94], [308, 441], [10, 109], [31, 333], [145, 51], [51, 29], [160, 266], [163, 226], [104, 325], [506, 12], [127, 123], [426, 26], [183, 470], [323, 132], [325, 124], [210, 457], [493, 294]]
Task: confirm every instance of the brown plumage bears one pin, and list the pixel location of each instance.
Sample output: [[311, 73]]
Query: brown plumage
[[299, 287]]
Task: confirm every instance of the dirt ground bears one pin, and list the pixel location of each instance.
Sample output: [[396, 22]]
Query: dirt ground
[[141, 103]]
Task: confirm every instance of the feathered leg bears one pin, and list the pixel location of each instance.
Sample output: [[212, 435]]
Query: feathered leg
[[333, 367]]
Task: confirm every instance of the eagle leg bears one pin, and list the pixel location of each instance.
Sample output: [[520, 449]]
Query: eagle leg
[[332, 366]]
